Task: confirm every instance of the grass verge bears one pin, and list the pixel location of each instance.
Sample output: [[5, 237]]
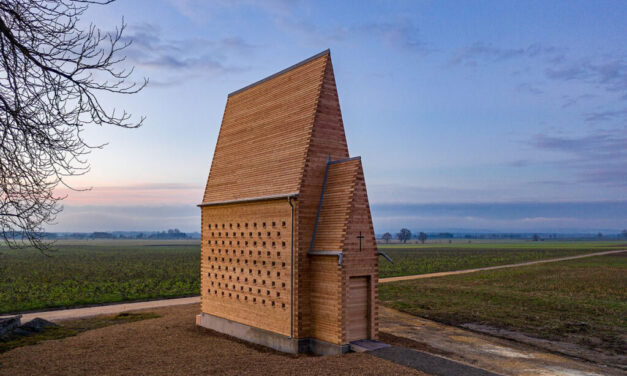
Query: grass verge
[[71, 328]]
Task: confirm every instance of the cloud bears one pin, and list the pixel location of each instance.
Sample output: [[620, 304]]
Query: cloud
[[481, 52], [607, 115], [141, 194], [202, 11], [572, 100], [181, 59], [402, 34], [598, 158], [601, 72], [529, 89], [507, 217], [608, 72], [519, 163]]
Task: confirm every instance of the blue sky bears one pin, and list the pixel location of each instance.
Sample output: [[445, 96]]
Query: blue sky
[[499, 103]]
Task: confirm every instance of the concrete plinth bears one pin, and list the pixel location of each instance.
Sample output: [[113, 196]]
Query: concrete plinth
[[265, 338]]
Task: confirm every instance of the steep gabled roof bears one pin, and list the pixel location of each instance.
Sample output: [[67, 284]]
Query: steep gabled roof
[[336, 204], [265, 134]]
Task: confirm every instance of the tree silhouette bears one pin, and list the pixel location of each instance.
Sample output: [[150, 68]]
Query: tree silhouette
[[404, 235], [387, 237], [422, 237], [52, 73]]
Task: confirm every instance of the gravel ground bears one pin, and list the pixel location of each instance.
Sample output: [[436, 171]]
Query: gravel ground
[[172, 345]]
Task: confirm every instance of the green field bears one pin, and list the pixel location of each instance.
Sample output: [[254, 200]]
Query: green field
[[580, 301], [105, 271], [414, 259], [92, 272]]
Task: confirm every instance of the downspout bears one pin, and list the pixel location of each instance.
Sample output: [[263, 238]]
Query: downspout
[[289, 200]]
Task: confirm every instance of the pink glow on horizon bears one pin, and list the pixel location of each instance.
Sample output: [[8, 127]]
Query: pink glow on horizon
[[140, 194]]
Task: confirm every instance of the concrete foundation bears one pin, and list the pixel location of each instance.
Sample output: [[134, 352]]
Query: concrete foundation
[[265, 338]]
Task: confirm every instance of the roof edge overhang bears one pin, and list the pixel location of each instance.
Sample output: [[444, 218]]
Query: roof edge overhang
[[325, 52], [250, 199]]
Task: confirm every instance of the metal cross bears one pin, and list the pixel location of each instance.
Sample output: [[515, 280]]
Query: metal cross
[[360, 237]]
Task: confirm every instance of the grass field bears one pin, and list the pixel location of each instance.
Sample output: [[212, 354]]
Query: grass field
[[413, 259], [105, 271], [82, 273], [580, 301]]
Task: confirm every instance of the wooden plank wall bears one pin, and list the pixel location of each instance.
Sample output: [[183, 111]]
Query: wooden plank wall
[[364, 262], [326, 299], [245, 267], [264, 135], [325, 274], [327, 139]]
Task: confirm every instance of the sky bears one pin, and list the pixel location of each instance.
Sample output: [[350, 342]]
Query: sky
[[478, 116]]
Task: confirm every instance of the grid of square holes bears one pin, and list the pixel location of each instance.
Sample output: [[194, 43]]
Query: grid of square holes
[[248, 262]]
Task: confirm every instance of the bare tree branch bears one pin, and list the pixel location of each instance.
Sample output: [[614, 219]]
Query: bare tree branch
[[51, 73]]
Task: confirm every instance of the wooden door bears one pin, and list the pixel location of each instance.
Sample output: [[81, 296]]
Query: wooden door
[[358, 308]]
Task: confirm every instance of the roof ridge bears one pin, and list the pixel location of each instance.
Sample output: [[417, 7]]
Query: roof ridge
[[325, 52]]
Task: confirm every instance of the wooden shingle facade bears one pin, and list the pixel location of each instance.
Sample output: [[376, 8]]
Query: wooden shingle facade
[[289, 257]]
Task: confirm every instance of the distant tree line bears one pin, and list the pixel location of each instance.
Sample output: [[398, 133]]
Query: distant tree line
[[166, 234], [405, 234]]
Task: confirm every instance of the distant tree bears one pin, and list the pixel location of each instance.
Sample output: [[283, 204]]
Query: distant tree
[[387, 237], [599, 235], [54, 71], [536, 237], [404, 235], [624, 232], [422, 237]]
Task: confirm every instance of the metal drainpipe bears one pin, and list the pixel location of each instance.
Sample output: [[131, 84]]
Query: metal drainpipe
[[289, 200]]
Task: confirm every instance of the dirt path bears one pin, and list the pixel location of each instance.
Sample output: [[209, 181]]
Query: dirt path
[[78, 313], [442, 274], [493, 354]]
